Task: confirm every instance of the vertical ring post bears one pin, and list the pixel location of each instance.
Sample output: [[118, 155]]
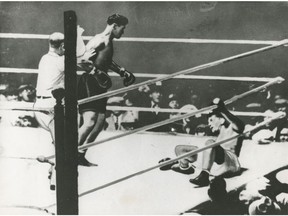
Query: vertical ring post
[[67, 158]]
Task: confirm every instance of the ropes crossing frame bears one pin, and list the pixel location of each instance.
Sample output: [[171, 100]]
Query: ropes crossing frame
[[167, 121], [183, 72], [279, 115]]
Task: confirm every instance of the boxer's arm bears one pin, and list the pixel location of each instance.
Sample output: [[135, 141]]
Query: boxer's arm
[[128, 77], [95, 43], [85, 54], [80, 45], [234, 121], [117, 68]]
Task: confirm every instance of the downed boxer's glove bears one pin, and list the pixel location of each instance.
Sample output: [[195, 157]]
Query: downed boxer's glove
[[168, 166], [220, 105]]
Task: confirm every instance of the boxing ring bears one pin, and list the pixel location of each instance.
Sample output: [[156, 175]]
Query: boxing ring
[[155, 192], [128, 179]]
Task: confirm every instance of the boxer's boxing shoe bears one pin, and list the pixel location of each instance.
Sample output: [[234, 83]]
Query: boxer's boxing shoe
[[201, 180], [82, 161]]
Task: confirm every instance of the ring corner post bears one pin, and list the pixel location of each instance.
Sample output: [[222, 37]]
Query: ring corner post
[[67, 171]]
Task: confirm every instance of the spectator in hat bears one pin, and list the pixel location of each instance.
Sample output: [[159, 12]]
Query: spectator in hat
[[142, 99], [129, 118], [26, 93], [155, 101], [9, 94], [272, 131], [190, 124], [121, 119], [173, 103], [113, 117], [3, 88]]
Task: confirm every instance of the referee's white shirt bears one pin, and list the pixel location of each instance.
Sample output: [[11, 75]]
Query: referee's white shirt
[[50, 74]]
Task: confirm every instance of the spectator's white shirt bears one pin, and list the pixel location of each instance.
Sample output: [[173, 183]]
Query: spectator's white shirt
[[129, 116], [50, 74]]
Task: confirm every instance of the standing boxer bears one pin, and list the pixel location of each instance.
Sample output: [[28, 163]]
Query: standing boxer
[[97, 81]]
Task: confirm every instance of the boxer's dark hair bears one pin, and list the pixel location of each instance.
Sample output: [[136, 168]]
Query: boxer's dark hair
[[117, 19], [216, 113]]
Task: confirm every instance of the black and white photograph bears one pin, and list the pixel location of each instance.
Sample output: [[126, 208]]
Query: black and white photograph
[[143, 108]]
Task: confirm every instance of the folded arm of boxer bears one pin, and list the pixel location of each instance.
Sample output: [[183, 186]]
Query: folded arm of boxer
[[83, 53], [237, 125]]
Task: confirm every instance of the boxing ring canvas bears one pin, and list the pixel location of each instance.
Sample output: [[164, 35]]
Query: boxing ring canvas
[[25, 182]]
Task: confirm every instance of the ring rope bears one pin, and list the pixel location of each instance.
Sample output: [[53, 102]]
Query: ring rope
[[18, 70], [229, 78], [44, 110], [195, 41], [167, 110], [147, 75], [21, 158], [141, 39], [8, 106], [29, 207], [167, 121], [130, 108], [278, 115], [18, 106], [274, 43], [190, 70]]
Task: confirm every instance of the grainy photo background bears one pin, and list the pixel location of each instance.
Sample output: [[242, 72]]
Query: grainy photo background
[[154, 193]]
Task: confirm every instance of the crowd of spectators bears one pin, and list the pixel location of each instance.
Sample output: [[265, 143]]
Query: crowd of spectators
[[265, 196], [277, 129], [157, 97], [268, 195], [23, 94], [26, 93]]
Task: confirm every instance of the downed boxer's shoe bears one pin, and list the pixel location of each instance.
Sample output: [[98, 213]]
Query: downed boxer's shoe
[[201, 180]]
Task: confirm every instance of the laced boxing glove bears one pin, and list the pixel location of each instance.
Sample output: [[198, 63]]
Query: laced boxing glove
[[128, 77], [102, 78], [87, 66], [220, 105]]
